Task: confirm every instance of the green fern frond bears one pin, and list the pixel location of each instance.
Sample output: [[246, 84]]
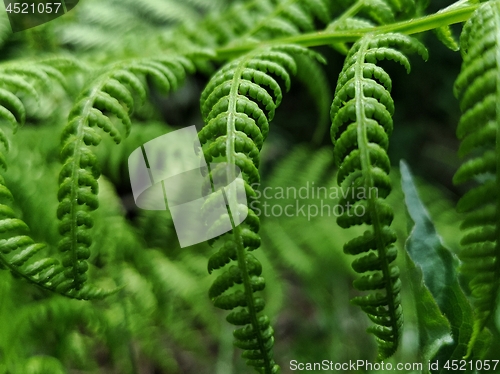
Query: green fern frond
[[347, 23], [289, 18], [24, 78], [109, 99], [257, 19], [350, 23], [100, 24], [165, 11], [237, 105], [379, 11], [361, 115], [445, 35], [17, 248], [403, 9], [364, 14], [477, 87], [15, 241], [16, 245]]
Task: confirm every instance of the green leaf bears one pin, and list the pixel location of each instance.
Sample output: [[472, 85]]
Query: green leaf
[[440, 277], [434, 328]]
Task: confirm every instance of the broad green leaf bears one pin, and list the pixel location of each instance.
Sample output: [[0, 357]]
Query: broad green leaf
[[439, 269]]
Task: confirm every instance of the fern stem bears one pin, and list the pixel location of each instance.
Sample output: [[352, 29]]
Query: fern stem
[[448, 16]]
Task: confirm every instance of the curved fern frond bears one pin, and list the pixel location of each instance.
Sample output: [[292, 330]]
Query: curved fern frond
[[368, 13], [289, 18], [14, 233], [403, 9], [17, 249], [477, 88], [445, 36], [379, 11], [361, 115], [237, 105], [16, 246], [21, 79], [347, 23], [107, 100]]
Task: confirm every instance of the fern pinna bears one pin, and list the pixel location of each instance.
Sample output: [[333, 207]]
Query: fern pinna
[[361, 115], [478, 87], [237, 105], [110, 94]]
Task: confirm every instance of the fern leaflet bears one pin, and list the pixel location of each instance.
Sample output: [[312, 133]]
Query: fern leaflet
[[237, 105], [361, 115]]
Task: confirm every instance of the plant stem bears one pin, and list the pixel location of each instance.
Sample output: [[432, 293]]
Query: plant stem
[[448, 16]]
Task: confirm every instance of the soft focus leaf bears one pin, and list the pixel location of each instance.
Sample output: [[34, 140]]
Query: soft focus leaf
[[438, 266]]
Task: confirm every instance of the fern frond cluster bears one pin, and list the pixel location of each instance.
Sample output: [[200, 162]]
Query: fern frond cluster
[[255, 20], [108, 58], [477, 87], [361, 125]]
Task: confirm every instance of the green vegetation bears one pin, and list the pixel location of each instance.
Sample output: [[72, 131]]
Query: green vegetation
[[334, 234]]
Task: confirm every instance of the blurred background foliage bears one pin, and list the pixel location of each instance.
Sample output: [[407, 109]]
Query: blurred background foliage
[[162, 320]]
